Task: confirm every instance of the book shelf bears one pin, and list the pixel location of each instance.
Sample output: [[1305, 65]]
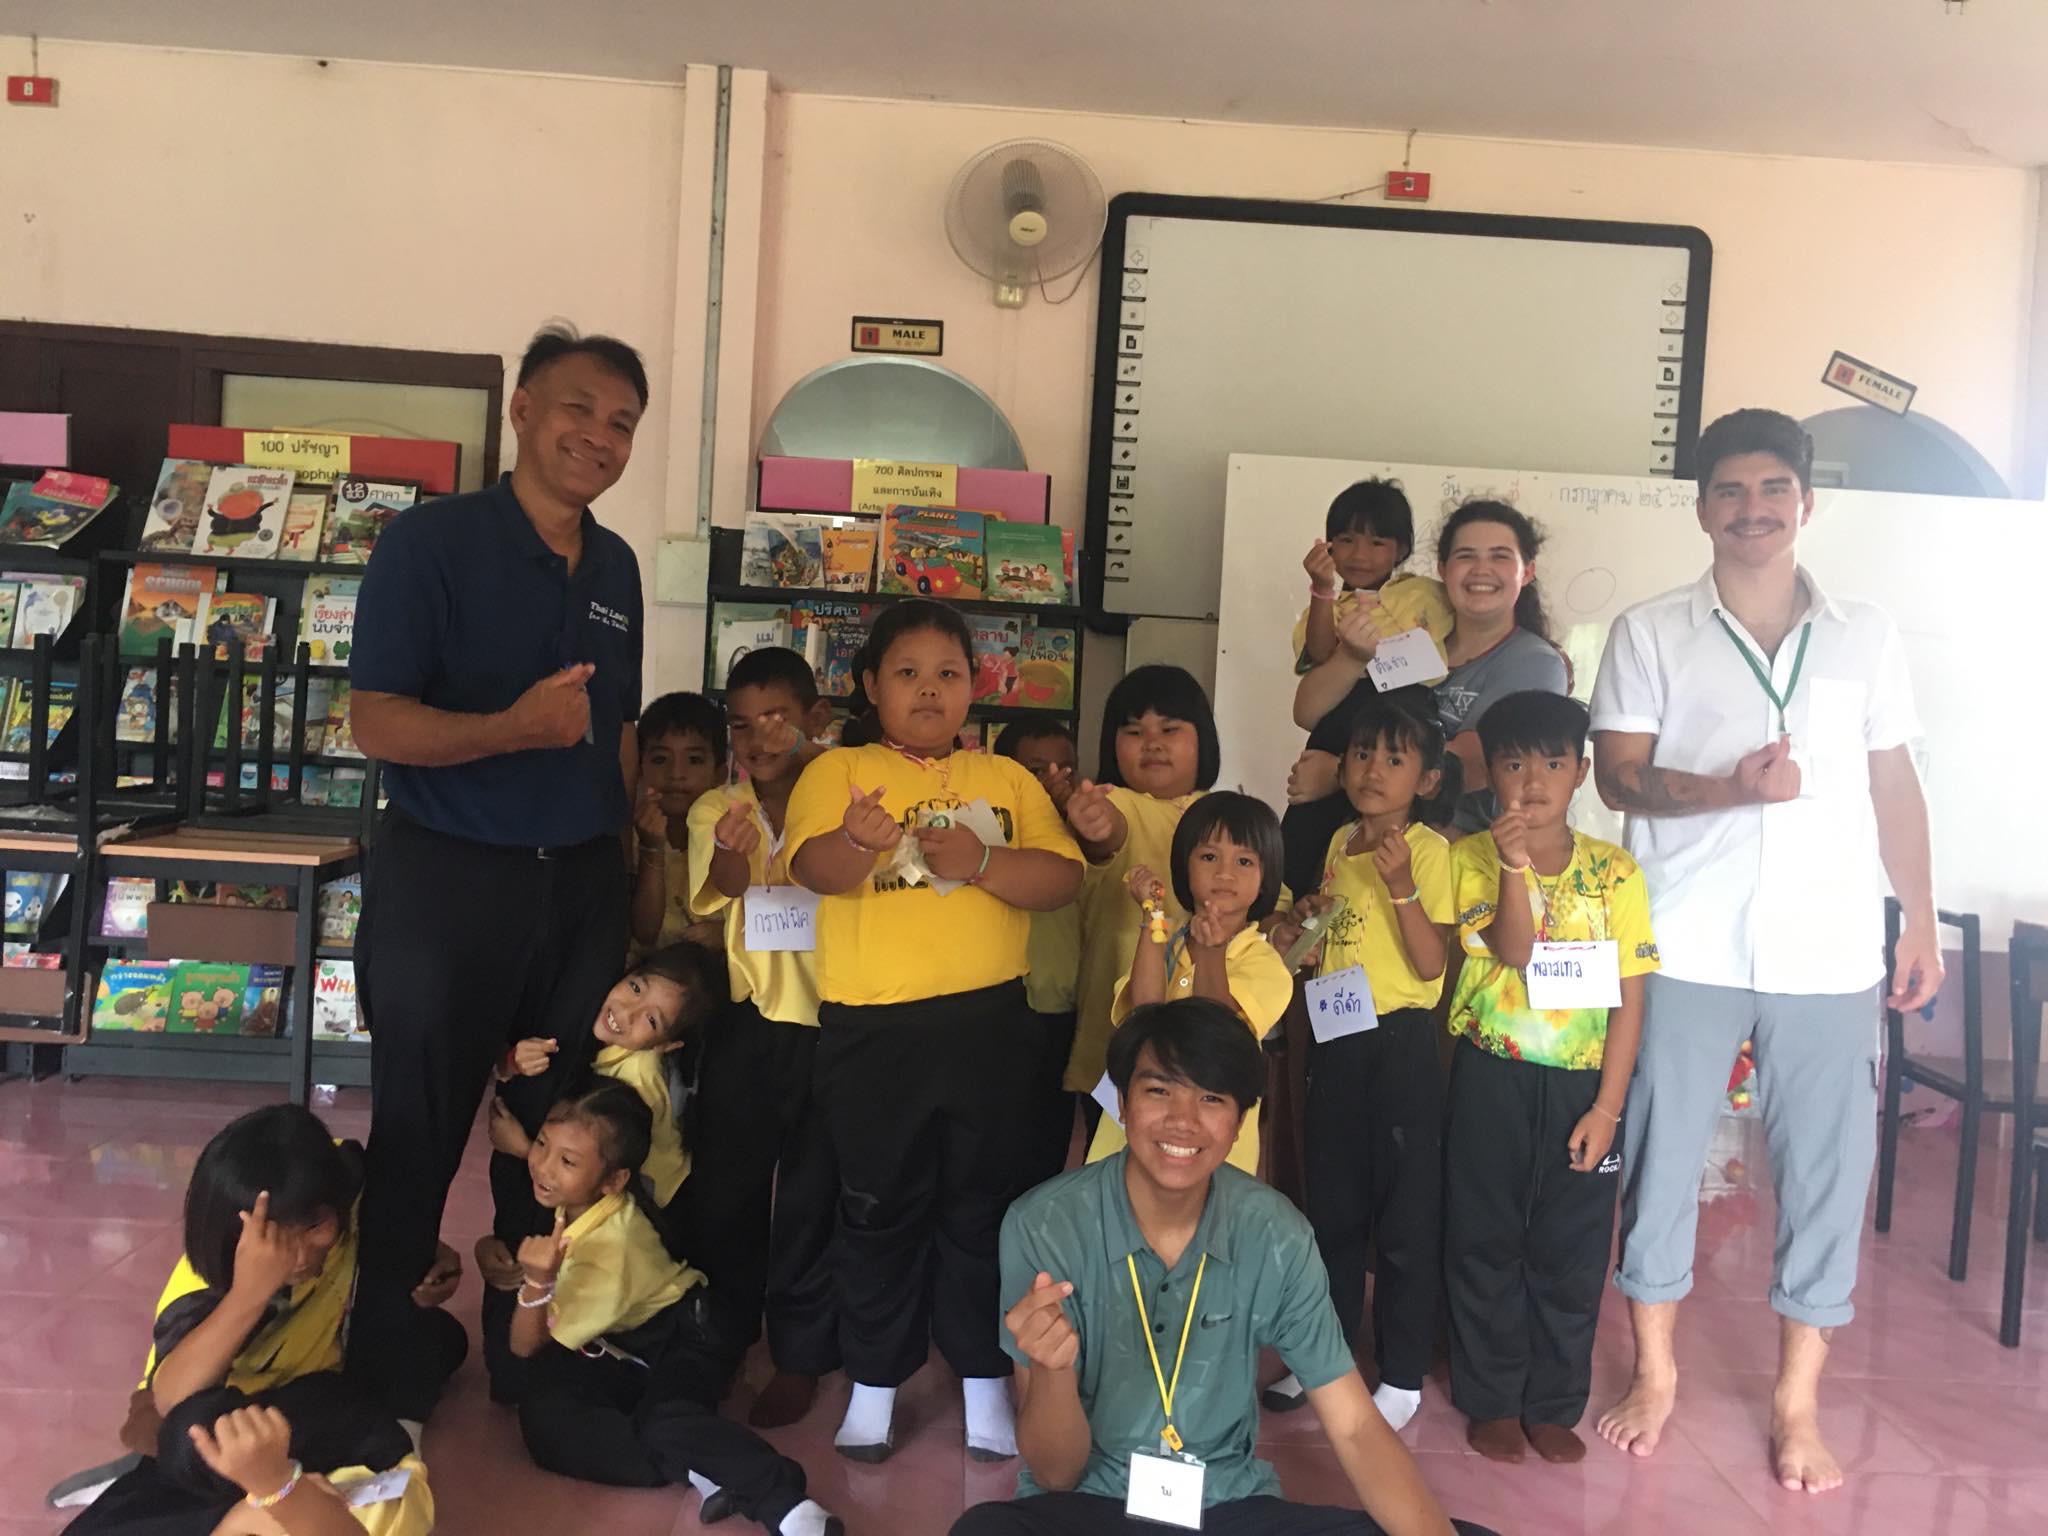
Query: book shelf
[[726, 588]]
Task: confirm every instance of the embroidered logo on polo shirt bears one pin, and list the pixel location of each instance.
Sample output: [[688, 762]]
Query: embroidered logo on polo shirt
[[611, 617]]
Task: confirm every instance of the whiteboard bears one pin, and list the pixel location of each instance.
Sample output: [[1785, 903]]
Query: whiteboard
[[1953, 572], [1230, 326]]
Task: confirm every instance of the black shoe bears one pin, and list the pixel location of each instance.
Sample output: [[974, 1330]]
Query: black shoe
[[1280, 1402], [718, 1507], [68, 1493]]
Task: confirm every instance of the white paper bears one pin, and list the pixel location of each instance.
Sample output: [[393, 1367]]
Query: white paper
[[1409, 657], [1586, 974], [1165, 1489], [978, 817], [1340, 1004], [381, 1489], [781, 917], [1104, 1094]]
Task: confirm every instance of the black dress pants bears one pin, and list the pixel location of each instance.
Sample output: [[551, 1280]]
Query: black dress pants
[[463, 949], [1088, 1514], [929, 1105], [1526, 1239], [762, 1198], [1052, 1114], [1375, 1178]]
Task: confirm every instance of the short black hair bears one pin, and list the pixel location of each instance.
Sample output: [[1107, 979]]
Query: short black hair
[[769, 666], [1755, 430], [1534, 721], [909, 618], [552, 343], [861, 730], [685, 714], [1018, 732], [1376, 507], [282, 1149], [1195, 1040], [1172, 694], [700, 972], [616, 1115], [1246, 821], [1405, 719]]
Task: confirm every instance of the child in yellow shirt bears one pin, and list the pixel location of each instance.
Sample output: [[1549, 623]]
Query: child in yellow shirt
[[1226, 871], [1373, 1119], [1367, 533]]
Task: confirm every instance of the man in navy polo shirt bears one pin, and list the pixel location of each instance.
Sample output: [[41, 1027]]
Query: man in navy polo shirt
[[496, 675]]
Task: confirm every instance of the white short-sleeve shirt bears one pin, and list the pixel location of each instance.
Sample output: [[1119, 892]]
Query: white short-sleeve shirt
[[1773, 898]]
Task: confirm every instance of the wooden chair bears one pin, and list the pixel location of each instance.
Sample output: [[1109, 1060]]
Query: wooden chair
[[2029, 962], [1960, 1078]]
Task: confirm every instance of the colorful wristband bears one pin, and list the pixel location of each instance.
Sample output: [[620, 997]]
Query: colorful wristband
[[1317, 595], [1405, 901], [265, 1500], [986, 850]]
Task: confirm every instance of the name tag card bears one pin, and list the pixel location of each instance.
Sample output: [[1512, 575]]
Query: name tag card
[[1340, 1004], [1409, 657], [381, 1489], [1579, 975], [1104, 1093], [781, 917], [1165, 1490]]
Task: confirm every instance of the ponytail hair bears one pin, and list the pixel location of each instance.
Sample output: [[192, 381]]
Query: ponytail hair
[[621, 1124], [1529, 613], [1405, 721]]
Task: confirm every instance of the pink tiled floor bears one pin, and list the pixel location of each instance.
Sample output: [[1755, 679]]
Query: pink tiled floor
[[1942, 1430]]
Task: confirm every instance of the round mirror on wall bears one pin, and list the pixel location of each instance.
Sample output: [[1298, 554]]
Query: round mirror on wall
[[891, 408]]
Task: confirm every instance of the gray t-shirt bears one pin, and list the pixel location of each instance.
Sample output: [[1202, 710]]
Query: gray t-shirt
[[1521, 662]]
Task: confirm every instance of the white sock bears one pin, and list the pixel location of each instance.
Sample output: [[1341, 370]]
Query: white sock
[[991, 1421], [82, 1498], [415, 1431], [1287, 1386], [868, 1414], [1397, 1405], [807, 1519], [704, 1486]]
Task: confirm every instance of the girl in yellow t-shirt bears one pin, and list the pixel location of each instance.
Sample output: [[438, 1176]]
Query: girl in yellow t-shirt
[[1159, 751], [929, 862], [1374, 1117], [1226, 870]]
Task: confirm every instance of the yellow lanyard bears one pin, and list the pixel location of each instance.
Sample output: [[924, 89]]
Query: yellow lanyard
[[1169, 1435]]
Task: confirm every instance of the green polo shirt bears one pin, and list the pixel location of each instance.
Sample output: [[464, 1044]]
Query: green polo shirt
[[1264, 1285]]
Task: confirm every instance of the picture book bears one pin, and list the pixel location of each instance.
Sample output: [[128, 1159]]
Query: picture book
[[305, 515], [135, 715], [931, 551], [844, 642], [126, 912], [162, 602], [327, 617], [53, 508], [341, 908], [1026, 561], [172, 522], [743, 627], [335, 1015], [29, 893], [850, 557], [782, 550], [1045, 668], [360, 511], [330, 786], [133, 994], [998, 647], [207, 998], [16, 956], [230, 616], [318, 691], [244, 511], [340, 737], [10, 597], [43, 605], [21, 713], [263, 1001]]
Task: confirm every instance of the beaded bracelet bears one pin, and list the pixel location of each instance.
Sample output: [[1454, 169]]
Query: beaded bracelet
[[1317, 595], [1405, 901], [863, 847], [1515, 869], [541, 1300], [265, 1500]]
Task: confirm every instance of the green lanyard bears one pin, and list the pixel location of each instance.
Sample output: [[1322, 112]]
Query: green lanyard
[[1763, 678]]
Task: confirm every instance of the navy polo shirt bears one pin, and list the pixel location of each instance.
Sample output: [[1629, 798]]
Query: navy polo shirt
[[464, 607]]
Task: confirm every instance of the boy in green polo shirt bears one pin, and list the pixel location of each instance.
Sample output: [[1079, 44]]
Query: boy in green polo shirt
[[1555, 928], [1145, 1286]]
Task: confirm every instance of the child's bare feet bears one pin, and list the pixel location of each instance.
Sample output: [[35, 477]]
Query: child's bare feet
[[1635, 1423], [494, 1262], [1497, 1439], [1802, 1462], [1555, 1443]]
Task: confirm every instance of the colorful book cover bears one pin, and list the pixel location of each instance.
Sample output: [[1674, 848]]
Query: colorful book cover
[[125, 914], [53, 508], [162, 602], [1026, 562], [782, 550], [305, 516], [340, 740], [327, 617], [232, 616], [176, 506], [21, 713], [135, 715], [341, 908], [133, 995], [361, 510], [331, 786], [244, 512], [28, 893], [850, 557], [844, 642], [931, 552], [75, 489], [1045, 668], [744, 627], [335, 1015], [23, 957], [263, 1002], [10, 597], [998, 648], [207, 997], [43, 605], [318, 691]]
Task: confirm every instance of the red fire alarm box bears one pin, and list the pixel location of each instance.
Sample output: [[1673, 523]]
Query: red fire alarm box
[[32, 90]]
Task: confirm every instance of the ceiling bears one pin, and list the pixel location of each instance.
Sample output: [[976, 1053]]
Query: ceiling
[[1955, 81]]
